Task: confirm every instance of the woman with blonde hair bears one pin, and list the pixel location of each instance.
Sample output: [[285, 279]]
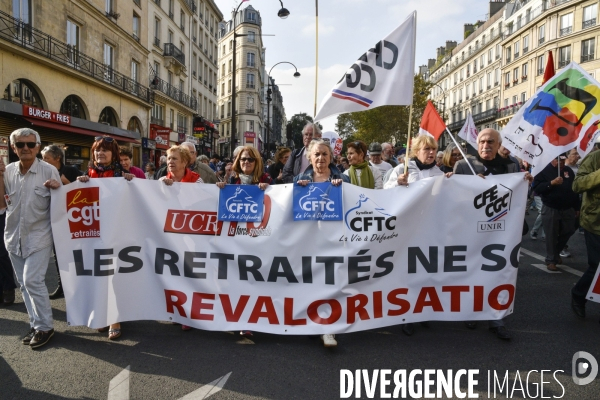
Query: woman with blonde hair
[[451, 155], [178, 158], [248, 170]]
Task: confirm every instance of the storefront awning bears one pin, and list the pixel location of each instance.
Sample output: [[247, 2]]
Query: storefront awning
[[80, 131]]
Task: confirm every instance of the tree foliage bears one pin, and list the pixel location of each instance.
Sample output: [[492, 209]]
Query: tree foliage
[[295, 126], [385, 123]]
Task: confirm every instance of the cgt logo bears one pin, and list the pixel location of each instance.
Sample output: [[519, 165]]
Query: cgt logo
[[495, 202], [83, 212]]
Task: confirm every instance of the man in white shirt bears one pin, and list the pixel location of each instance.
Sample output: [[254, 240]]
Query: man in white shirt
[[375, 159]]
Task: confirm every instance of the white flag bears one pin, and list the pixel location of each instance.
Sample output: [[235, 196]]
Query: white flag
[[563, 114], [469, 131], [382, 76]]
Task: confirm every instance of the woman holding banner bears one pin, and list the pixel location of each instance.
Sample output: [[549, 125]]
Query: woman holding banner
[[321, 168], [248, 170], [361, 173], [106, 164], [178, 158], [421, 164]]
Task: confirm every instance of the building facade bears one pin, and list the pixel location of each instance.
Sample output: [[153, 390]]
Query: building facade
[[250, 81], [276, 116], [82, 62]]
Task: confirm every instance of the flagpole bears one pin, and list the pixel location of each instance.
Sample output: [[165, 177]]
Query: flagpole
[[316, 54], [461, 151], [558, 165], [408, 140]]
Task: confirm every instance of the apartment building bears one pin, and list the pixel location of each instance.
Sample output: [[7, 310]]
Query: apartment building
[[250, 81], [568, 28], [276, 116], [466, 77], [183, 69], [74, 70]]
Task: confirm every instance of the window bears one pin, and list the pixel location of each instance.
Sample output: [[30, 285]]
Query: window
[[524, 71], [135, 67], [22, 11], [507, 79], [158, 113], [508, 54], [194, 30], [108, 6], [157, 69], [250, 126], [181, 123], [460, 95], [523, 96], [108, 117], [515, 75], [182, 21], [73, 107], [250, 59], [250, 81], [251, 16], [171, 119], [108, 61], [525, 44], [540, 65], [497, 76], [564, 56], [157, 32], [170, 78], [566, 24], [517, 45], [136, 27], [194, 61], [229, 86], [171, 9], [589, 16], [251, 37], [489, 80], [497, 51], [542, 34], [72, 41], [519, 22], [514, 99], [587, 50], [250, 104], [490, 54]]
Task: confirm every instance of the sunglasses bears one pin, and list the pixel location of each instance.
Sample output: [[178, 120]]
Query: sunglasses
[[107, 139], [30, 145], [247, 159]]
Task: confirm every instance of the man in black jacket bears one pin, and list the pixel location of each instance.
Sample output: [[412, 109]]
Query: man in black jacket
[[298, 162], [560, 206]]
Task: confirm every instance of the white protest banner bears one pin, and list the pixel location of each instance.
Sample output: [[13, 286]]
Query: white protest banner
[[469, 131], [142, 250], [562, 114], [384, 75]]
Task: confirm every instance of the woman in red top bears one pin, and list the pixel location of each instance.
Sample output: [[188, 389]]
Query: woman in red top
[[178, 158], [105, 164]]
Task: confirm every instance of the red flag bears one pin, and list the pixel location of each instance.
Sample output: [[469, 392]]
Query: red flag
[[549, 72], [431, 123]]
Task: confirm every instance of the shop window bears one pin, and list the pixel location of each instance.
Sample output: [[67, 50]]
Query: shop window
[[72, 106], [108, 116], [23, 92], [134, 125]]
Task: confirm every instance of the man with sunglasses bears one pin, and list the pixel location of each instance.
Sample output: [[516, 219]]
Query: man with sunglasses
[[28, 233]]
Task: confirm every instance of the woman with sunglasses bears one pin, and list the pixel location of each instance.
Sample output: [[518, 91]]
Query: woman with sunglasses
[[361, 172], [248, 170], [451, 156], [105, 164]]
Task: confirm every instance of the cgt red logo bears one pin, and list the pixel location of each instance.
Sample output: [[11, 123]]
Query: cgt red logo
[[83, 212]]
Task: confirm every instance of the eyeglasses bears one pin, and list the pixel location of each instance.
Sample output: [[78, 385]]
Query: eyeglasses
[[457, 155], [30, 145], [247, 159], [107, 139]]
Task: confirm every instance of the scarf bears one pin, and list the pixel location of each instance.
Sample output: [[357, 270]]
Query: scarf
[[246, 179], [497, 166], [113, 170], [422, 166], [365, 179], [189, 176]]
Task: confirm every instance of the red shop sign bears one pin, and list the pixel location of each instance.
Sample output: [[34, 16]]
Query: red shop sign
[[160, 134], [38, 113]]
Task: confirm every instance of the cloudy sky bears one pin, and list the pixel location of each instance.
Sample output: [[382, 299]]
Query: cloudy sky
[[347, 28]]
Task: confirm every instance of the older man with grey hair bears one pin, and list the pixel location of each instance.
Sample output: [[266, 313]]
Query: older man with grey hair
[[205, 172], [297, 163], [387, 154], [24, 192]]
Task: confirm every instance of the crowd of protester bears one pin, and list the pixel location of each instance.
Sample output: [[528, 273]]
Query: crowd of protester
[[24, 198]]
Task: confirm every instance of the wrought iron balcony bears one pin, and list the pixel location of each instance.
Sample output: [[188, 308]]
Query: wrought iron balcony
[[540, 71], [486, 115], [541, 40], [156, 41], [563, 63], [587, 57], [589, 23], [157, 121], [159, 85], [250, 110], [455, 126], [172, 51], [191, 5], [35, 41], [566, 31]]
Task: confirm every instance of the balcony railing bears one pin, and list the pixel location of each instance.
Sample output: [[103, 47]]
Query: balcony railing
[[157, 121], [171, 15], [509, 110], [455, 126], [540, 71], [516, 55], [250, 110], [566, 31], [563, 63], [507, 60], [525, 50], [541, 40], [157, 2], [589, 23], [157, 42], [250, 85], [158, 84], [191, 5], [38, 42], [587, 57], [172, 51], [486, 115]]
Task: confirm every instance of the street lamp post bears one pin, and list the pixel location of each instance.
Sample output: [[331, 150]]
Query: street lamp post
[[283, 13], [269, 92]]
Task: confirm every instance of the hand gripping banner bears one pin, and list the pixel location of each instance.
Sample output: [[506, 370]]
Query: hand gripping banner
[[442, 249]]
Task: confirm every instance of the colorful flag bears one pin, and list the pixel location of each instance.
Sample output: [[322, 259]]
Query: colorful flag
[[382, 76], [431, 123], [469, 131], [564, 113], [549, 71]]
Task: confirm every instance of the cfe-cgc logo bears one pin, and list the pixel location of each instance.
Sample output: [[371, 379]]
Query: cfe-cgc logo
[[495, 204], [83, 212], [318, 201]]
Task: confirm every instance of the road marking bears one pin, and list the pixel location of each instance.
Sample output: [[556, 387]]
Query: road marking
[[118, 388], [543, 267], [208, 389]]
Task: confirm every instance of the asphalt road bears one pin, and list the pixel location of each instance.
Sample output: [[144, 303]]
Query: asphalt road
[[168, 363]]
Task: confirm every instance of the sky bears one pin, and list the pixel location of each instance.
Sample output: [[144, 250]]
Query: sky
[[347, 28]]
